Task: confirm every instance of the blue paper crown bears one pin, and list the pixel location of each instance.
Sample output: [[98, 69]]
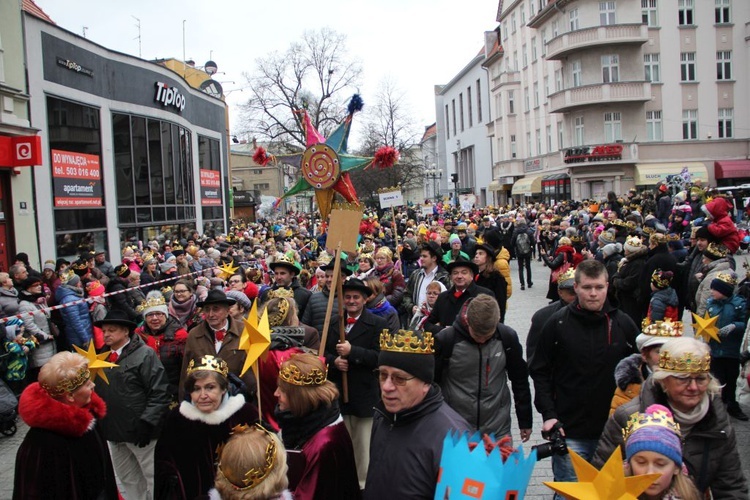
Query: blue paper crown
[[472, 474]]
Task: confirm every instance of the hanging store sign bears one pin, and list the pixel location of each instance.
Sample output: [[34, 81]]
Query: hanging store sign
[[77, 180], [210, 188], [20, 151], [605, 152]]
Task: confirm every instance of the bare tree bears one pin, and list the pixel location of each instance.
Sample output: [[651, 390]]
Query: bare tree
[[315, 74]]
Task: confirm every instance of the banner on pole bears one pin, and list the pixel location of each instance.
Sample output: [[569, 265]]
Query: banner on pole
[[391, 198]]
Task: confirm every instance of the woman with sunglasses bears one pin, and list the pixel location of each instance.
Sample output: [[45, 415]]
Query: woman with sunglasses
[[683, 383]]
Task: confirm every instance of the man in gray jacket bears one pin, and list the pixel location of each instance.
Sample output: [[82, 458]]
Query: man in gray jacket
[[137, 397]]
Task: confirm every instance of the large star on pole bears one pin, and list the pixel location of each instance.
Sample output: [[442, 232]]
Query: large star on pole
[[325, 164], [609, 483], [97, 362], [706, 327], [227, 270], [255, 338]]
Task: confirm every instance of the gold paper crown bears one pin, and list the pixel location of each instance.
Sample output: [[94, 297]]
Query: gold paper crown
[[79, 265], [673, 237], [666, 328], [324, 258], [68, 385], [619, 223], [255, 475], [153, 301], [567, 275], [67, 275], [575, 239], [177, 246], [277, 318], [291, 374], [281, 293], [407, 341], [649, 230], [659, 279], [283, 259], [658, 418], [717, 250], [727, 278], [147, 255], [167, 289], [633, 241], [122, 270], [209, 363], [687, 363]]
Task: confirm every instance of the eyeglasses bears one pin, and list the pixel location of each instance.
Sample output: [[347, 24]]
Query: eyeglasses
[[182, 291], [700, 380], [398, 380]]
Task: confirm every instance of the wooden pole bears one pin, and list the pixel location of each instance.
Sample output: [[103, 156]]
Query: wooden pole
[[342, 338], [395, 234], [331, 294]]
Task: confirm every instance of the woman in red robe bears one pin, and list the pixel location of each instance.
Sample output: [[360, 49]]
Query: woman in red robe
[[320, 451]]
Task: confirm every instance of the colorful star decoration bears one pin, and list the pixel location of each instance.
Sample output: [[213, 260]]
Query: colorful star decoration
[[706, 327], [255, 338], [325, 164], [609, 483], [227, 270], [97, 362]]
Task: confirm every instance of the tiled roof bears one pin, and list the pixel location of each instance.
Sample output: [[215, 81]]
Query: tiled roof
[[36, 11]]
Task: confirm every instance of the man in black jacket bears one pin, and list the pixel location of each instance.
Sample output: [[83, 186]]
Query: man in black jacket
[[285, 276], [565, 288], [574, 364]]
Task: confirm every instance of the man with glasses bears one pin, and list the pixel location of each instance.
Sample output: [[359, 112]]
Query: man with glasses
[[411, 420], [574, 364]]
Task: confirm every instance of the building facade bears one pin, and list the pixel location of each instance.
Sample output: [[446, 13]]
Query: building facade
[[131, 152], [593, 96]]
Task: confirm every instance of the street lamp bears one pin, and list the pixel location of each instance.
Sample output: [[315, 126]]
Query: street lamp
[[434, 174]]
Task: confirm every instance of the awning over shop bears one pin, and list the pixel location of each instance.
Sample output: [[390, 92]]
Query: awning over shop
[[650, 174], [554, 177], [527, 185], [732, 169], [495, 186]]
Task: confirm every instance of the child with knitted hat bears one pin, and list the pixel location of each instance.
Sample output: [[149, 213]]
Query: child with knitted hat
[[664, 302], [652, 445]]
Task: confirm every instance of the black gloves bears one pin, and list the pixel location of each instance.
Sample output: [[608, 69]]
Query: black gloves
[[143, 434]]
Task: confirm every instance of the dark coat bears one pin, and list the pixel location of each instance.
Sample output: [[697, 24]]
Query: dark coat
[[447, 306], [364, 337], [77, 320], [627, 284], [301, 296], [709, 450], [495, 282], [537, 322], [315, 312], [658, 258], [122, 301]]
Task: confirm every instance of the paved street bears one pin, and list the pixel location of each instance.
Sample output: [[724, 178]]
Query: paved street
[[522, 306]]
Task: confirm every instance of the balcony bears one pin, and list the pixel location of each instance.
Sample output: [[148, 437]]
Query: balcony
[[597, 36], [598, 94]]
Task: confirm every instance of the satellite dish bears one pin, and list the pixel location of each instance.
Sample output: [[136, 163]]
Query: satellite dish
[[212, 88], [210, 67]]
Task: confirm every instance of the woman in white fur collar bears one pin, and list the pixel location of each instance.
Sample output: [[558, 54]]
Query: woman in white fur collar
[[186, 451]]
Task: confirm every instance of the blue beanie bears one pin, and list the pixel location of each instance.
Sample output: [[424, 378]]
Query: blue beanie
[[653, 436]]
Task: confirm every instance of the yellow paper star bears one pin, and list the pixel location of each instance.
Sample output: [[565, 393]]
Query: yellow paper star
[[97, 362], [706, 327], [609, 483], [227, 270], [255, 338]]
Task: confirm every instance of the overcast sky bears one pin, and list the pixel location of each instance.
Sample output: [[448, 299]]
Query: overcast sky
[[420, 43]]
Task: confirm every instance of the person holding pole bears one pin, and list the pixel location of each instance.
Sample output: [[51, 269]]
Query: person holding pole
[[356, 357]]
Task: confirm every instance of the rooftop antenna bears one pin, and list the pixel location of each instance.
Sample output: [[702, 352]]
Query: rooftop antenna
[[184, 64], [138, 25], [85, 28]]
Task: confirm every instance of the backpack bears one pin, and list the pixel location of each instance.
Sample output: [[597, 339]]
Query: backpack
[[523, 243], [502, 332]]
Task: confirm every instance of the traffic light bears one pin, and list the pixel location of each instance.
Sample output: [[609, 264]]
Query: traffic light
[[454, 178]]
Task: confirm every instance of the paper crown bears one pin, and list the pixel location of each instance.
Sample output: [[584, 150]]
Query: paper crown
[[281, 293], [209, 363], [649, 230], [470, 472], [673, 237], [407, 341], [324, 258], [633, 241], [728, 278], [278, 317], [150, 302], [70, 384], [79, 265], [147, 255], [567, 275], [575, 239], [661, 279], [687, 363], [177, 246], [666, 328], [658, 418], [716, 250], [291, 374], [255, 475]]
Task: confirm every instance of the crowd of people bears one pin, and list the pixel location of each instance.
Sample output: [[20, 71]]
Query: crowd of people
[[422, 305]]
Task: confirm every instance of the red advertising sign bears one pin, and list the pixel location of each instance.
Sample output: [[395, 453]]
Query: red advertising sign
[[20, 151], [210, 187], [77, 179]]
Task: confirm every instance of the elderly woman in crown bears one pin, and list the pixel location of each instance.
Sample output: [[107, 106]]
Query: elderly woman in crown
[[163, 333], [185, 454], [682, 382]]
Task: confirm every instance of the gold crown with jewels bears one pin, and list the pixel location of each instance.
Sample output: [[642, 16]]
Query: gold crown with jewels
[[408, 342], [70, 384], [151, 302], [658, 418], [255, 475], [687, 363], [293, 375], [208, 363], [666, 328]]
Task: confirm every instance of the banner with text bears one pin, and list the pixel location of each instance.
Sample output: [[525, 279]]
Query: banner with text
[[77, 180], [210, 187], [390, 199]]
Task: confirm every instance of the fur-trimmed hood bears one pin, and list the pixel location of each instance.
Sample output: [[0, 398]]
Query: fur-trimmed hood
[[628, 371], [228, 407], [39, 410]]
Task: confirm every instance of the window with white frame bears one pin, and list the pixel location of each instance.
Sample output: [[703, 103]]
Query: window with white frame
[[576, 74], [513, 25], [690, 124], [652, 68], [524, 55], [470, 107], [607, 16], [687, 66], [532, 8], [650, 12], [536, 94], [513, 150], [724, 65], [511, 102], [725, 123], [447, 123], [501, 148], [558, 80], [505, 30], [515, 60], [612, 126], [544, 42], [549, 138], [546, 88], [479, 101], [529, 152], [538, 141], [610, 68], [654, 126], [685, 12], [559, 135], [722, 12], [499, 105], [555, 28], [461, 110], [573, 19], [578, 132], [533, 48], [453, 108], [523, 14], [526, 100]]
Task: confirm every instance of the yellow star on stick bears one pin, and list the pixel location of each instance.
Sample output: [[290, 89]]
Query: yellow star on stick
[[706, 327], [97, 362], [227, 270], [255, 338], [609, 483]]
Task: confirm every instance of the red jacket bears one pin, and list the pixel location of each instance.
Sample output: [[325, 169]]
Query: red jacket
[[722, 227]]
